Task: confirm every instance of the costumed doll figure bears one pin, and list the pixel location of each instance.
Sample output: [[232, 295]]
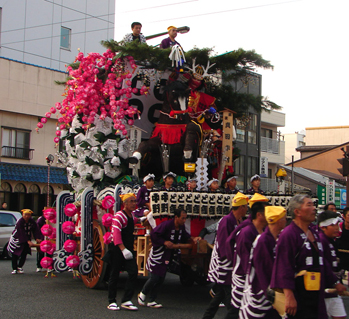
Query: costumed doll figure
[[143, 198], [20, 242], [168, 180]]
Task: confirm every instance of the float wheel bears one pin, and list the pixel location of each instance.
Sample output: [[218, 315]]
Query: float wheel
[[95, 279]]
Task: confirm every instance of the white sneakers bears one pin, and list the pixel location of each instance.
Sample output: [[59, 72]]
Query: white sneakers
[[18, 271]]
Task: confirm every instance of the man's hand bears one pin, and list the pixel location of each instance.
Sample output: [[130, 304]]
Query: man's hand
[[38, 241], [127, 254], [290, 302], [340, 288], [30, 243], [168, 244], [196, 239]]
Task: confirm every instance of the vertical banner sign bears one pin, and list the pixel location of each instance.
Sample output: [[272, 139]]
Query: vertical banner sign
[[321, 194], [343, 198], [228, 122], [263, 166], [330, 191]]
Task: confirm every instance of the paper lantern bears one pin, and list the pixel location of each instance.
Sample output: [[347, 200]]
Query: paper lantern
[[73, 261], [68, 227], [45, 246], [53, 235], [47, 230], [108, 202], [70, 245], [50, 213], [52, 250], [70, 210], [107, 238], [107, 220], [46, 262]]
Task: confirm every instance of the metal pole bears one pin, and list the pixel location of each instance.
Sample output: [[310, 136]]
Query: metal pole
[[292, 176]]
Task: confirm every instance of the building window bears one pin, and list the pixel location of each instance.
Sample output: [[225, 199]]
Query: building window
[[252, 129], [65, 38], [239, 165], [251, 166], [240, 135], [266, 133], [15, 143]]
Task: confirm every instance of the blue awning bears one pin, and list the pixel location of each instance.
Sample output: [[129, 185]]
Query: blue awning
[[32, 173]]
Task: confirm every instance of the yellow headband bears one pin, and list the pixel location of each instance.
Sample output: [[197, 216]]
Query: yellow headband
[[171, 27], [126, 196], [239, 200], [26, 211], [257, 198], [274, 213]]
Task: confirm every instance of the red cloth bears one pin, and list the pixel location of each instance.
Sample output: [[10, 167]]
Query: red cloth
[[169, 133]]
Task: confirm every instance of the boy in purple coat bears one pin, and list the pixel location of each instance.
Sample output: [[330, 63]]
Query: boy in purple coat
[[299, 249], [255, 303], [20, 242], [243, 246], [328, 222], [167, 239]]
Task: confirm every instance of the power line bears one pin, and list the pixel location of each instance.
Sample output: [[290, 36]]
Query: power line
[[164, 5], [225, 11]]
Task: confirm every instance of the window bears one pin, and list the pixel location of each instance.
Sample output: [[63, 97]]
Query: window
[[252, 129], [239, 165], [65, 38], [7, 220], [15, 143], [251, 166], [266, 133]]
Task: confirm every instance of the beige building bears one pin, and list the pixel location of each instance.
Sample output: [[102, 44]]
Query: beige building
[[292, 142], [272, 148], [26, 93], [326, 135]]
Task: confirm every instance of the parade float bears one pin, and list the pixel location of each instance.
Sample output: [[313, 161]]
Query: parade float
[[135, 110]]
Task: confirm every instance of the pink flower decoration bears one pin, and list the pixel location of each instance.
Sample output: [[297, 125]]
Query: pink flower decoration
[[107, 220], [46, 262], [45, 246], [50, 214], [70, 245], [73, 261], [43, 120], [68, 227], [47, 230], [40, 125], [53, 235], [56, 139], [108, 202], [70, 210], [107, 237], [52, 250]]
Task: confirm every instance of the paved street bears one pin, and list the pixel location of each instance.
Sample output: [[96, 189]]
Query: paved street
[[30, 295]]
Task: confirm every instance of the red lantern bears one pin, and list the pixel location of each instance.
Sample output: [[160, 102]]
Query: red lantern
[[47, 230], [108, 202], [46, 262], [73, 261], [45, 246], [70, 245], [68, 227], [70, 210], [50, 214]]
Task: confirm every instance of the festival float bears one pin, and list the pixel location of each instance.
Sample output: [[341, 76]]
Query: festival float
[[135, 110]]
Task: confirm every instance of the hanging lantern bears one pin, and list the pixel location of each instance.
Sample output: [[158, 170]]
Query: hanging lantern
[[108, 202], [50, 214], [45, 246], [46, 262], [107, 220], [73, 261], [47, 230], [53, 235]]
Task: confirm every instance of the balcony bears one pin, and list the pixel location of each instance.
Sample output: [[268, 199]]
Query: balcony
[[273, 149], [17, 152]]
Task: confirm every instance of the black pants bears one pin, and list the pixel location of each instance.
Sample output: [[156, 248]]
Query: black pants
[[118, 263], [18, 261], [223, 294], [152, 285]]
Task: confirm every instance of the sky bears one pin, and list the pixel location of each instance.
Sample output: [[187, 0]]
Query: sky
[[305, 40]]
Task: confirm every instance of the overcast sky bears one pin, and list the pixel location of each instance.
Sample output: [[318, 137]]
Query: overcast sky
[[305, 40]]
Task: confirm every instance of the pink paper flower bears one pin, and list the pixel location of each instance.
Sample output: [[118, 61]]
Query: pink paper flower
[[70, 245], [47, 230], [68, 227], [107, 237], [45, 246], [53, 235], [70, 210], [46, 262], [73, 261], [50, 214], [108, 202], [107, 220]]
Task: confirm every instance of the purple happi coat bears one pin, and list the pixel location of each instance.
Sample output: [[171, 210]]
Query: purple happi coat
[[21, 234], [243, 246], [143, 197], [294, 253], [254, 302], [220, 267], [159, 256]]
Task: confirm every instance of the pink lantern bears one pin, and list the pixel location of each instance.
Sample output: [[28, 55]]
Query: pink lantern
[[70, 210], [47, 230], [43, 120], [70, 245], [107, 220], [73, 261], [40, 125], [53, 235], [108, 202], [45, 246], [46, 262], [50, 213], [107, 238], [52, 250], [56, 139], [68, 227]]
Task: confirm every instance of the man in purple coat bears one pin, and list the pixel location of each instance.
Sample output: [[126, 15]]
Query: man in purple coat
[[220, 267], [170, 41], [254, 302], [299, 249], [243, 246], [20, 242], [167, 239]]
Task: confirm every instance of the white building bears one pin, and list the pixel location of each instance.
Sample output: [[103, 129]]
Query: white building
[[292, 142]]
